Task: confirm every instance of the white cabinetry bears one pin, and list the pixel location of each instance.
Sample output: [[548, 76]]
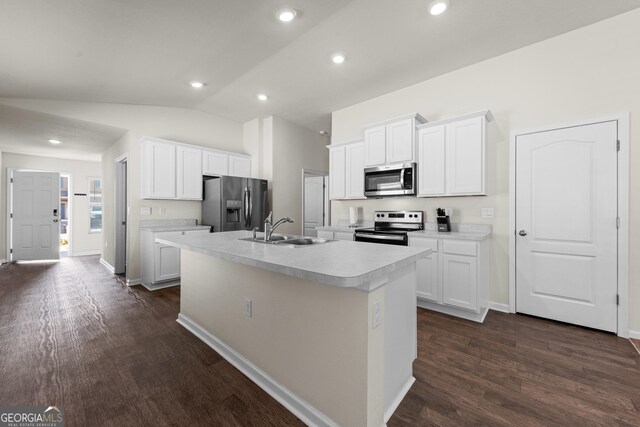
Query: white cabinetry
[[189, 173], [160, 264], [454, 278], [346, 171], [391, 141], [335, 235], [158, 176], [215, 163], [239, 165], [171, 170], [452, 156]]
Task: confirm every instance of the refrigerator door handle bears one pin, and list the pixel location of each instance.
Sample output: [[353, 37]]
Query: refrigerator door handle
[[250, 206], [245, 207]]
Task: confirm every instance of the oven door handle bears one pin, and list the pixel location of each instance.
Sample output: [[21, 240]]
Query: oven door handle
[[380, 236]]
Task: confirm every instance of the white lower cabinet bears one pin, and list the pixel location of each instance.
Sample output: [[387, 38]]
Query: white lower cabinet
[[454, 278], [160, 264]]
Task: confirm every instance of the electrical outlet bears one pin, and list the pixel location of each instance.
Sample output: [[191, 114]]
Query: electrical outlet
[[486, 212], [163, 211], [106, 244], [248, 307], [145, 210], [377, 314], [448, 212]]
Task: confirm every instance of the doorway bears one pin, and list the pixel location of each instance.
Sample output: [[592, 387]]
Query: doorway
[[65, 215], [315, 201], [34, 215], [121, 210], [569, 248]]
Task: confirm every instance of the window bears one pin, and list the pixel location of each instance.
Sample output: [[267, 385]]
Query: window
[[95, 205]]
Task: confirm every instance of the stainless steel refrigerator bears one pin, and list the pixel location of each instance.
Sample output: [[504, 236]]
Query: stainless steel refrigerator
[[233, 203]]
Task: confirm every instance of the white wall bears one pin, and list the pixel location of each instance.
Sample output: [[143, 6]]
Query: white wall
[[587, 73], [294, 149], [82, 242]]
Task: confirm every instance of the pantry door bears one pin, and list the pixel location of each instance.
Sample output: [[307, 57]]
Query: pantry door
[[35, 209], [566, 225]]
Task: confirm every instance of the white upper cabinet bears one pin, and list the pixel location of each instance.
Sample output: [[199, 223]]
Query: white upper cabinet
[[431, 161], [189, 173], [375, 148], [400, 141], [346, 171], [215, 163], [391, 141], [337, 172], [466, 157], [158, 176], [239, 165], [171, 170], [452, 156], [354, 171]]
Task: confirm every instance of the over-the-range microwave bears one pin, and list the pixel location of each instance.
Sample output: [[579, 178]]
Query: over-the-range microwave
[[390, 180]]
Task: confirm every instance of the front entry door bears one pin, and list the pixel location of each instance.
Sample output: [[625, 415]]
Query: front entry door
[[35, 227], [566, 211]]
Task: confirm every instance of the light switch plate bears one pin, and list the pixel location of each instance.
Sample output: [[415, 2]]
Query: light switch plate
[[486, 212], [145, 210], [248, 307]]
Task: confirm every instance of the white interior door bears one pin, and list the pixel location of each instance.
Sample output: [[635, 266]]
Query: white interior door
[[313, 204], [566, 211], [35, 226]]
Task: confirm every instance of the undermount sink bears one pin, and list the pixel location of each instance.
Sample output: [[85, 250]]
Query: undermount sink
[[288, 240]]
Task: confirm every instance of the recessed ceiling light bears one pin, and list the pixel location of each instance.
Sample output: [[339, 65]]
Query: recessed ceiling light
[[196, 85], [55, 141], [338, 58], [438, 7], [286, 15], [262, 97]]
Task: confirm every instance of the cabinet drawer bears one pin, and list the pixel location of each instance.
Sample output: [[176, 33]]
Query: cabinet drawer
[[459, 248], [420, 242], [343, 236]]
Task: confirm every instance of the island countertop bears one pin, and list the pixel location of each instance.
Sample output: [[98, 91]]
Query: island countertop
[[338, 263]]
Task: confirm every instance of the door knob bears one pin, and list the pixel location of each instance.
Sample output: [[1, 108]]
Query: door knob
[[522, 233]]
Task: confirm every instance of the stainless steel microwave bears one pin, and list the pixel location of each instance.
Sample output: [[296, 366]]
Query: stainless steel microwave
[[390, 180]]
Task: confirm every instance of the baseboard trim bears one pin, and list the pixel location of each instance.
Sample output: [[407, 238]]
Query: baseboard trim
[[396, 402], [452, 311], [2, 261], [107, 266], [299, 407], [634, 334], [497, 306], [134, 282], [152, 288], [74, 254]]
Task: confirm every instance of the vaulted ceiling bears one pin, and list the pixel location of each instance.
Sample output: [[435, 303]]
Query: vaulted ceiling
[[147, 51]]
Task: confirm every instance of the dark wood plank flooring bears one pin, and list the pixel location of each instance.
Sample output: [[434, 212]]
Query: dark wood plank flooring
[[73, 334]]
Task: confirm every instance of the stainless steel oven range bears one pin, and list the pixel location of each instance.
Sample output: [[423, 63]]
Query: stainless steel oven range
[[391, 227]]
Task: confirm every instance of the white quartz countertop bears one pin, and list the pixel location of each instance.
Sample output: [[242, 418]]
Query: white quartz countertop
[[163, 228], [337, 263], [453, 235]]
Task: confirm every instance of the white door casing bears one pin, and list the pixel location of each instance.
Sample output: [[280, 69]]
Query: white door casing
[[35, 226], [565, 219], [313, 204]]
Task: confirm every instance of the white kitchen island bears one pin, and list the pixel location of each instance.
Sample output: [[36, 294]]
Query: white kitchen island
[[328, 330]]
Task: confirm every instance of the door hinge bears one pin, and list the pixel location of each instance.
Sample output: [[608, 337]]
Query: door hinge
[[618, 299], [618, 222], [11, 250], [11, 215], [12, 180], [618, 145]]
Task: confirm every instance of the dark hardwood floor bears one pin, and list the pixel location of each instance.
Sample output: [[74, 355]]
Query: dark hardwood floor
[[73, 334]]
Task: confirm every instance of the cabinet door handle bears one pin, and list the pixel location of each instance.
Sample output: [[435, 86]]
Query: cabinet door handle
[[522, 233]]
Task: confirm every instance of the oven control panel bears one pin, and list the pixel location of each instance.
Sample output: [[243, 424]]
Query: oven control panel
[[405, 217]]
